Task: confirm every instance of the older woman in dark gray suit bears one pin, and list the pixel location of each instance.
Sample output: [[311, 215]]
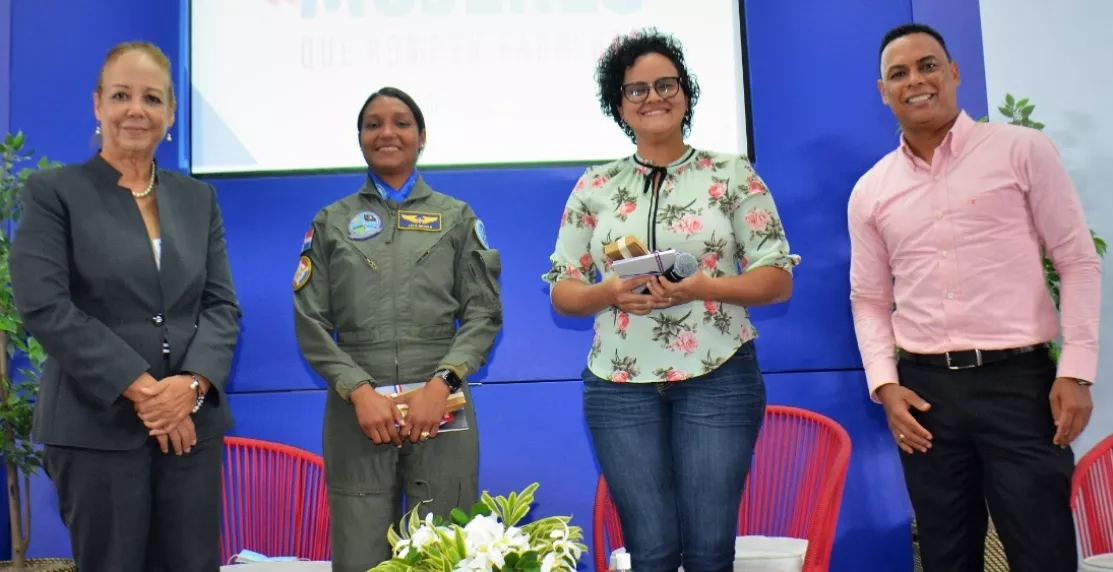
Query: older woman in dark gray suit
[[120, 271]]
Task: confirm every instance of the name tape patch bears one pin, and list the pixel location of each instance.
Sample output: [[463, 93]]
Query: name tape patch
[[412, 220]]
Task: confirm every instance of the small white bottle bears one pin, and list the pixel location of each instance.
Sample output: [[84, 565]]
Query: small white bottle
[[622, 562]]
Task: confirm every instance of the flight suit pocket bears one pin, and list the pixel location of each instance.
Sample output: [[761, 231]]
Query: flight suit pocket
[[484, 271]]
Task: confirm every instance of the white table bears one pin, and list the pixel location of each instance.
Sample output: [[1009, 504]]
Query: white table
[[301, 566]]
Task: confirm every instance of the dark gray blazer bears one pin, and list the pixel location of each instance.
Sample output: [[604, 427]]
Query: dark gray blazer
[[87, 287]]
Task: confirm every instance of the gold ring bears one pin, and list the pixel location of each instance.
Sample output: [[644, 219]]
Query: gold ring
[[424, 435], [900, 437]]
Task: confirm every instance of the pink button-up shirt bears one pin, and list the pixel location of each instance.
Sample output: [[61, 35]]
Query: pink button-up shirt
[[956, 246]]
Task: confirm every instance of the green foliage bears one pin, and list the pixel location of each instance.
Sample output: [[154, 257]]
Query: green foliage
[[17, 392], [446, 544], [1019, 112]]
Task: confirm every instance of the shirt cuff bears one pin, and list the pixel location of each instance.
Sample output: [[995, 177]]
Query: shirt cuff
[[350, 381], [881, 373], [1078, 363]]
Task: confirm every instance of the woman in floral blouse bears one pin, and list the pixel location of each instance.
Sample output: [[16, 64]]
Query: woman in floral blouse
[[673, 395]]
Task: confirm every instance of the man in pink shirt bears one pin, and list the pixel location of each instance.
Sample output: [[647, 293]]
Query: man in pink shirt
[[948, 228]]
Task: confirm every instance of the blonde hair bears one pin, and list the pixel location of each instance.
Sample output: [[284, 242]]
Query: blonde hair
[[147, 48]]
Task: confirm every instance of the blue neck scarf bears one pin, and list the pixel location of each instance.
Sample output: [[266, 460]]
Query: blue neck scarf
[[390, 193]]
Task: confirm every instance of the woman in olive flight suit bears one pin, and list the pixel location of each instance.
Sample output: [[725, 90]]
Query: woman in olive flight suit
[[389, 270]]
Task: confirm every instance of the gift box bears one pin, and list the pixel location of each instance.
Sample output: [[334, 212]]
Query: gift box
[[625, 247]]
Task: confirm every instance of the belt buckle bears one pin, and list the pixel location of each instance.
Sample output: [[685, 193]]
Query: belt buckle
[[977, 361]]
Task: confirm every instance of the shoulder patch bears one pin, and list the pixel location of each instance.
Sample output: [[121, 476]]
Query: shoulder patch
[[307, 242], [481, 233], [302, 274]]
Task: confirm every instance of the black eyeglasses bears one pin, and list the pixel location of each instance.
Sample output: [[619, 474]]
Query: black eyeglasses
[[638, 91]]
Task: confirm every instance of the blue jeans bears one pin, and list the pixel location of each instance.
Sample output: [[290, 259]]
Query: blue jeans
[[675, 457]]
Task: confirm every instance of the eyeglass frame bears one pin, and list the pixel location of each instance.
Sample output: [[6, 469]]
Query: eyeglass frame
[[654, 87]]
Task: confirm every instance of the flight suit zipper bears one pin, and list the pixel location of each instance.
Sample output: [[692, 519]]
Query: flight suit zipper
[[395, 237], [370, 263]]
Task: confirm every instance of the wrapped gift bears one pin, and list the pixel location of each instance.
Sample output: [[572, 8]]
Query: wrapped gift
[[626, 247]]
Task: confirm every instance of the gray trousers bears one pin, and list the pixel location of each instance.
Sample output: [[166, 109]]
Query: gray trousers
[[367, 482], [140, 510]]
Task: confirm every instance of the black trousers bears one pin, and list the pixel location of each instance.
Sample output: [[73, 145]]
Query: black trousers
[[140, 510], [992, 429]]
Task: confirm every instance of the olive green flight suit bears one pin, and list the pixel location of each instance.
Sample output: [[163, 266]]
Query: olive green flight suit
[[392, 300]]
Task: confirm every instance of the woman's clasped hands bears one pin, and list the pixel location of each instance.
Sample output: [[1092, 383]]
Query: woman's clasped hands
[[659, 292], [165, 407]]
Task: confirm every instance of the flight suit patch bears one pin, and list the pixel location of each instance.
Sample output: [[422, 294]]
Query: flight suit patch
[[364, 225], [302, 274], [481, 233], [307, 242], [413, 220]]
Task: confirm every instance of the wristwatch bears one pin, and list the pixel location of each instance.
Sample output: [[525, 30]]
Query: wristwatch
[[450, 379], [195, 385]]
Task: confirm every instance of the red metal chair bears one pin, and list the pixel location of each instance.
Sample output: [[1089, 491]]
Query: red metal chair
[[794, 488], [275, 501], [1091, 499]]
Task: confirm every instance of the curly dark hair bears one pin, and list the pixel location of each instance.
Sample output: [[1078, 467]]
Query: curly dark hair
[[610, 72]]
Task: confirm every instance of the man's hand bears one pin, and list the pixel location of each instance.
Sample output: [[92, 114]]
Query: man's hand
[[897, 400], [182, 436], [426, 408], [1071, 406], [168, 403], [377, 414], [620, 293]]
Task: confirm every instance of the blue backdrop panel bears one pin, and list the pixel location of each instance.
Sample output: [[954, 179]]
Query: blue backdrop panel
[[57, 50]]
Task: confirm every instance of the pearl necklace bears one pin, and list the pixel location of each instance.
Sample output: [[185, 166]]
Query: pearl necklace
[[150, 186]]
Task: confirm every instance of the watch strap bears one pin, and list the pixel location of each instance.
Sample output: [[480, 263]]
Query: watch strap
[[450, 379]]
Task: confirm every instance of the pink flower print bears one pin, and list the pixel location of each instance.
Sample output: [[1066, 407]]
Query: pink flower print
[[710, 260], [716, 191], [564, 217], [580, 185], [626, 208], [758, 220], [746, 333], [599, 181], [681, 169], [676, 375], [620, 376], [641, 170], [572, 271], [711, 306], [686, 342], [757, 187], [688, 225], [745, 263], [590, 221], [585, 261], [622, 321], [704, 162]]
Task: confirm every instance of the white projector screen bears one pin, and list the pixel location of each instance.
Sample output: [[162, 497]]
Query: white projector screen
[[277, 84]]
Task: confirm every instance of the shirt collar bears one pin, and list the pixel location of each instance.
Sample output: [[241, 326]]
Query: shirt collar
[[952, 143], [390, 193], [687, 156]]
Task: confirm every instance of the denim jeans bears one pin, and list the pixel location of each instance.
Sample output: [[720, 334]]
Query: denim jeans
[[675, 457]]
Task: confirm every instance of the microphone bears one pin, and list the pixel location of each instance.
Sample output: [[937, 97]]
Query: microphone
[[684, 266]]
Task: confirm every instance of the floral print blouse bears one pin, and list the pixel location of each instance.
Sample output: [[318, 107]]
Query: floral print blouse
[[709, 204]]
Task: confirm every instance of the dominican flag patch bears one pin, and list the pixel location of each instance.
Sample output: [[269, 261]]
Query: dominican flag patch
[[307, 242]]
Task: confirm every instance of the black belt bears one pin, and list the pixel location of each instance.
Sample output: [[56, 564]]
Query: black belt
[[966, 359]]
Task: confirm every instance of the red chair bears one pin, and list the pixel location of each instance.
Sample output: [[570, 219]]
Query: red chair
[[794, 488], [275, 501], [1091, 499]]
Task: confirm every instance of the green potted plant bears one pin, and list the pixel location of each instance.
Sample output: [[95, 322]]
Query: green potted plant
[[17, 392], [489, 536]]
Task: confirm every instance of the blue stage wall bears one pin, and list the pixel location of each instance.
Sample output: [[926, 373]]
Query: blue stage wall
[[818, 124]]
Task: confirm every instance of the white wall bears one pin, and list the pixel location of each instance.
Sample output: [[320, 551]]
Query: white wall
[[1058, 55]]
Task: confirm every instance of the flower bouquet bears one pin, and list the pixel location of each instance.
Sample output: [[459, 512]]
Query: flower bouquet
[[487, 538]]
